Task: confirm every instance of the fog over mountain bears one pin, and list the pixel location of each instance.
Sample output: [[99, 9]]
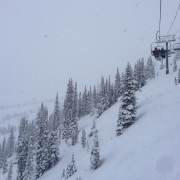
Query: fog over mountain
[[44, 43]]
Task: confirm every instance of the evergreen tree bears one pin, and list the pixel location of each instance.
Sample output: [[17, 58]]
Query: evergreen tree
[[74, 118], [68, 173], [73, 137], [10, 173], [11, 143], [7, 148], [150, 69], [142, 72], [95, 97], [117, 84], [29, 172], [110, 93], [79, 106], [3, 154], [73, 164], [95, 153], [5, 166], [101, 106], [63, 177], [56, 113], [83, 138], [22, 148], [85, 102], [53, 148], [128, 106], [119, 130], [42, 141], [106, 96], [136, 76]]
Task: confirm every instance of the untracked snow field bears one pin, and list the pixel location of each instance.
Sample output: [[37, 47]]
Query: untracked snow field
[[148, 150]]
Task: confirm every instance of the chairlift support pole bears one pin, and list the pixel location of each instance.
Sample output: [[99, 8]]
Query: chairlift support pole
[[167, 64]]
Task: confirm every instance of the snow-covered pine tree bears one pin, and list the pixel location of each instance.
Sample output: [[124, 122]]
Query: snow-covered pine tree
[[150, 69], [136, 76], [95, 153], [128, 100], [66, 123], [5, 166], [75, 104], [95, 97], [175, 65], [68, 111], [142, 72], [83, 138], [122, 83], [117, 84], [110, 93], [92, 103], [84, 102], [61, 125], [29, 173], [22, 148], [7, 148], [73, 137], [53, 144], [101, 106], [79, 106], [11, 143], [119, 130], [74, 118], [89, 105], [106, 94], [56, 113], [153, 71], [179, 76], [10, 173], [3, 153], [50, 121], [63, 177], [74, 169], [42, 141], [68, 173]]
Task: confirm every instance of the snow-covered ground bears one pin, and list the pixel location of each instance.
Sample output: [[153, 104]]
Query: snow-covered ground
[[148, 150]]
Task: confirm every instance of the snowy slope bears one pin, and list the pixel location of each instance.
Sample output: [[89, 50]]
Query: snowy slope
[[148, 150]]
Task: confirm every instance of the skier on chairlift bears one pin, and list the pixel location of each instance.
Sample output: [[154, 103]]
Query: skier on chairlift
[[163, 53], [156, 52]]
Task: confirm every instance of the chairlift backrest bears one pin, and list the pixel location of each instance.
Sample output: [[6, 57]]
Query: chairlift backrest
[[176, 46]]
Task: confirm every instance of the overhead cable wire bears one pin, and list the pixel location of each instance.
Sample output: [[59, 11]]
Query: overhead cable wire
[[177, 32], [174, 19], [160, 18]]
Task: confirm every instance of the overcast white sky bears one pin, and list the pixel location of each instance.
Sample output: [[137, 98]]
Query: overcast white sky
[[44, 43]]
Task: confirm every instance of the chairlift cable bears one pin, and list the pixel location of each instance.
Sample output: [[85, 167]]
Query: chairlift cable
[[160, 18], [177, 32], [174, 19]]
